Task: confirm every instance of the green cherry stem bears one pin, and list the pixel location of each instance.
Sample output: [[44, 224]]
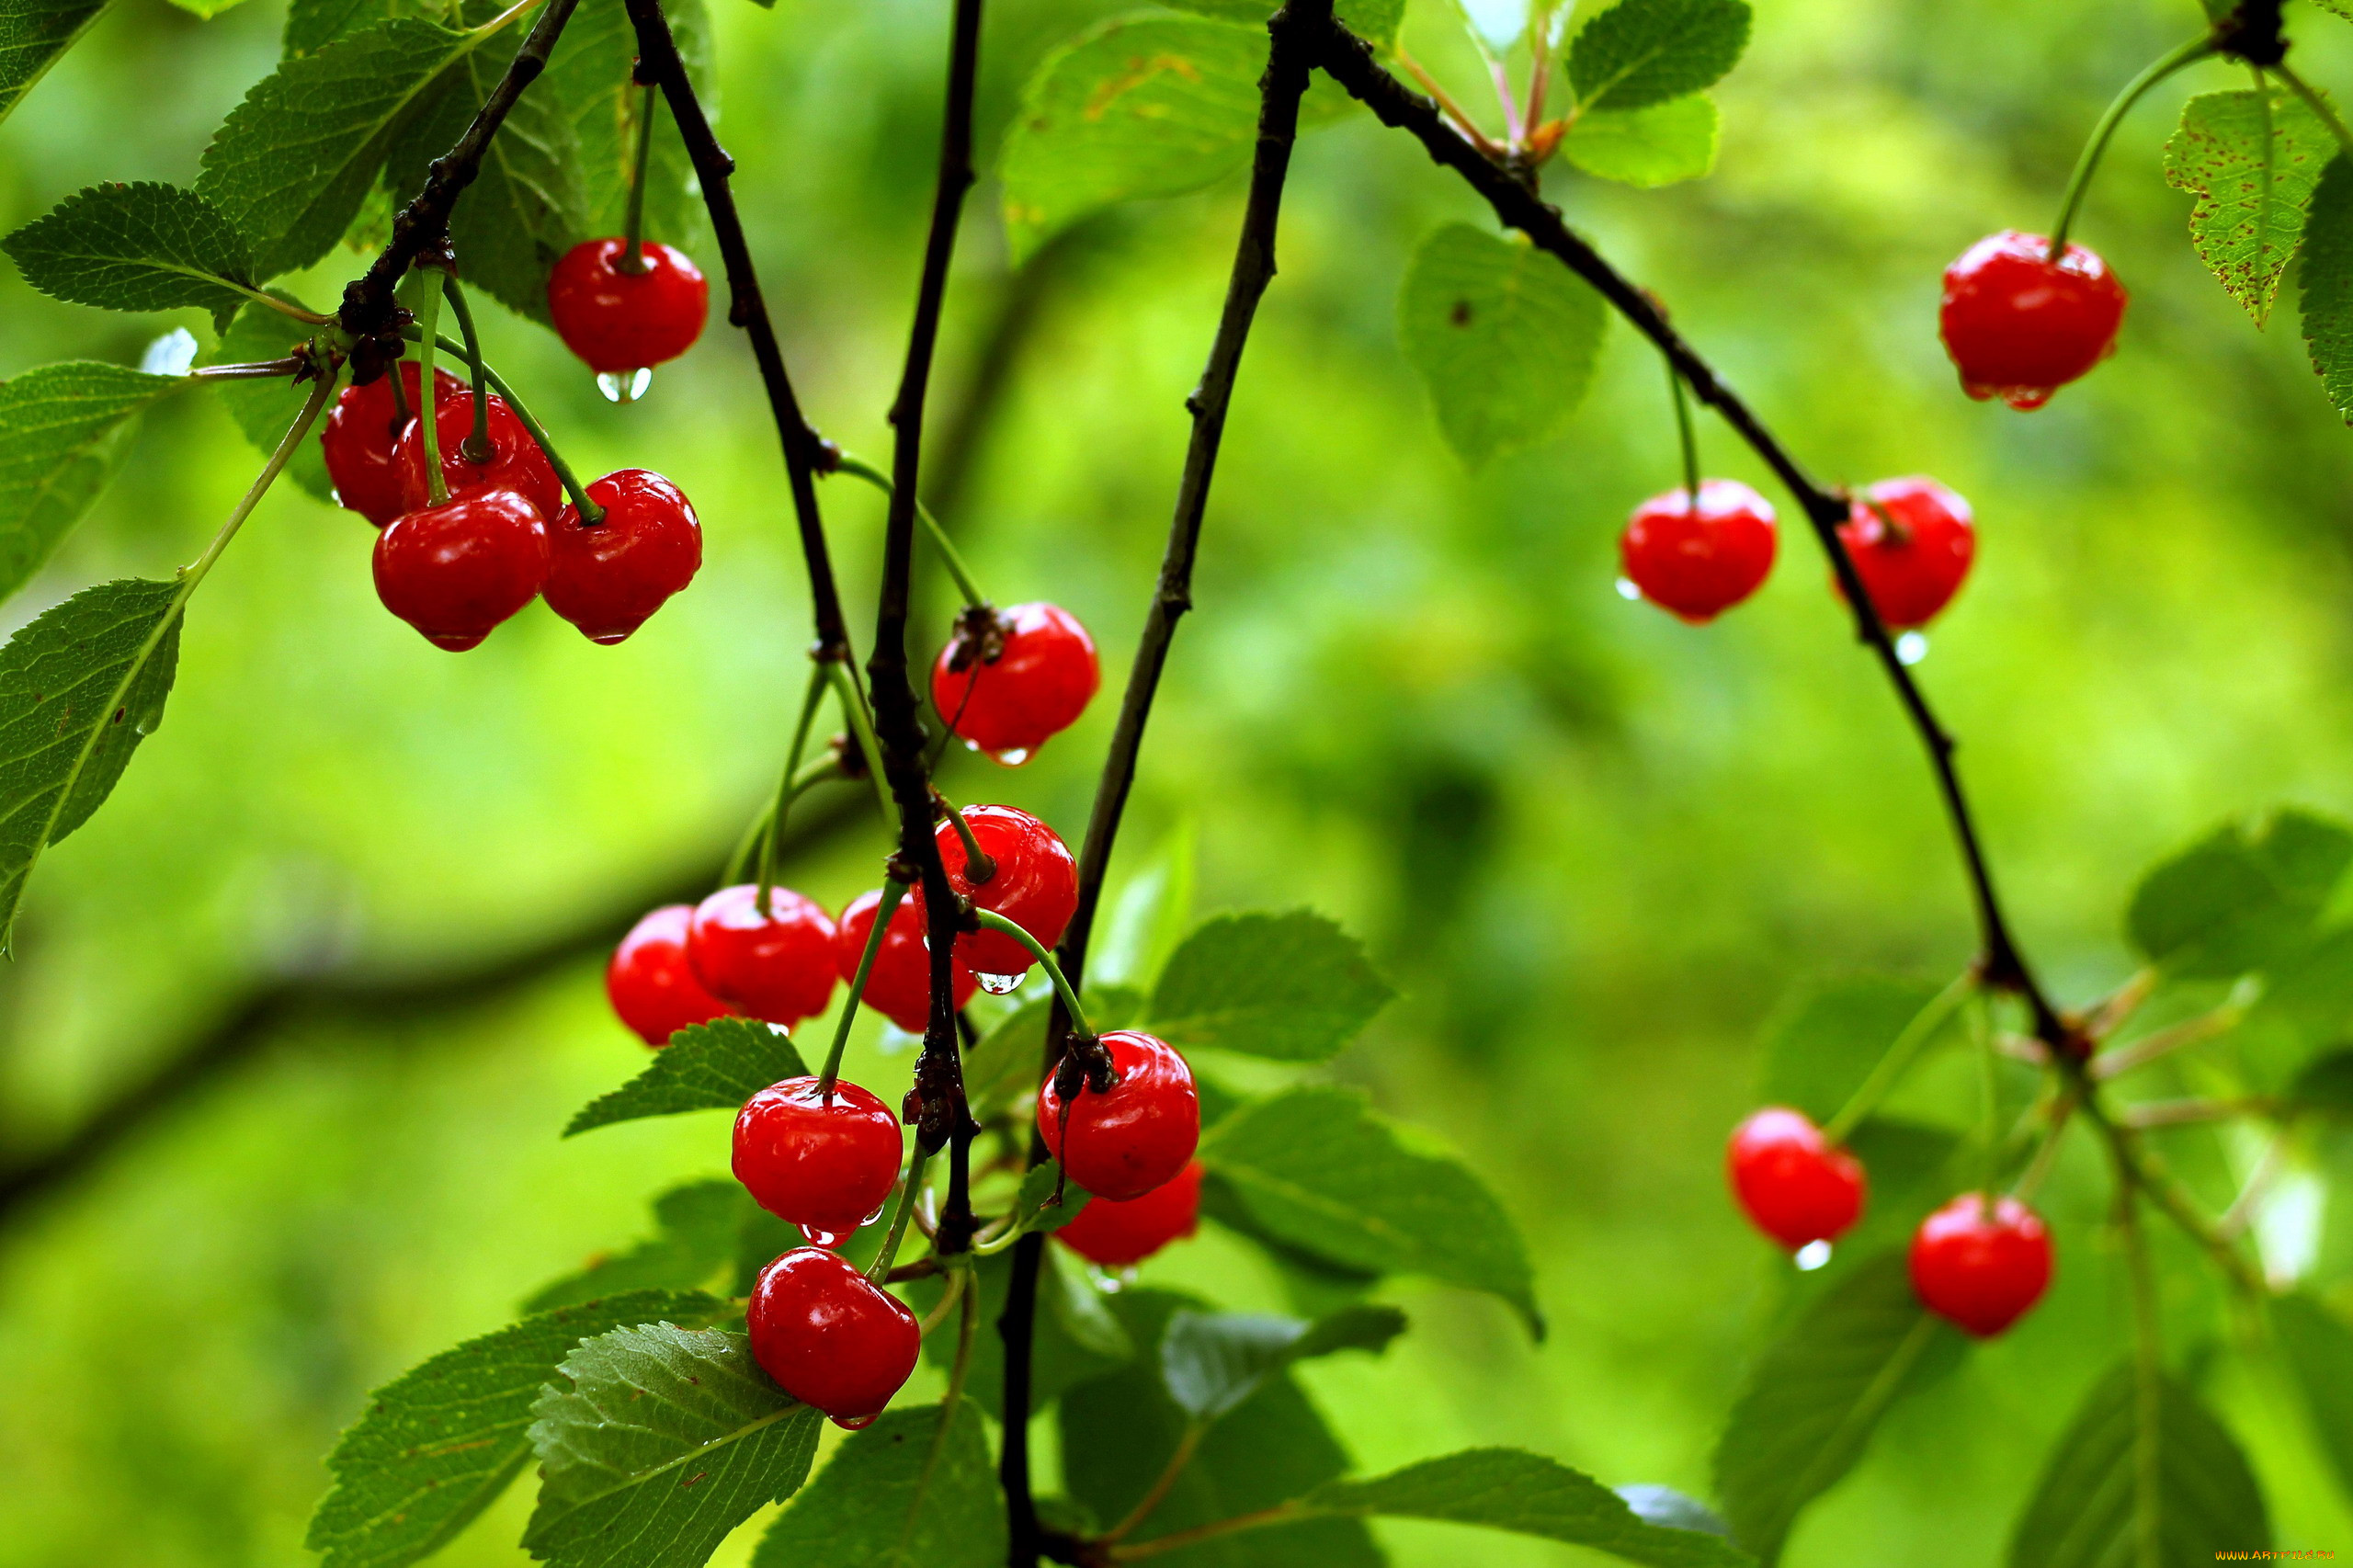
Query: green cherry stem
[[278, 459], [862, 724], [2164, 65], [866, 471], [633, 227], [1688, 438], [772, 835], [429, 315], [742, 862], [990, 920], [892, 894], [1990, 1088], [979, 865], [880, 1268], [477, 447], [1899, 1058], [590, 513]]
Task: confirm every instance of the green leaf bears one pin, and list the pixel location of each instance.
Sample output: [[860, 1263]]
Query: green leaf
[[589, 77], [1528, 1494], [80, 687], [2325, 1088], [1646, 52], [61, 432], [311, 25], [901, 1493], [2088, 1510], [441, 1442], [1815, 1395], [1825, 1040], [1318, 1167], [2252, 166], [1212, 1362], [1505, 339], [712, 1066], [264, 409], [1375, 21], [2318, 1348], [1076, 1337], [2326, 283], [1031, 1210], [136, 247], [1149, 918], [1657, 144], [33, 34], [698, 1227], [2242, 899], [656, 1441], [291, 164], [1293, 987]]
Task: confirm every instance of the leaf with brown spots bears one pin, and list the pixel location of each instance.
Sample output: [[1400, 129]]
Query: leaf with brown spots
[[2252, 166]]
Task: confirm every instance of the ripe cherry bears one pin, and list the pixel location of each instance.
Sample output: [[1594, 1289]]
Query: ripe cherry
[[357, 439], [618, 320], [455, 571], [824, 1161], [899, 985], [1116, 1234], [515, 463], [2020, 325], [1039, 679], [650, 983], [831, 1338], [1912, 560], [777, 965], [1699, 561], [1035, 885], [1982, 1272], [1794, 1185], [609, 578], [1122, 1144]]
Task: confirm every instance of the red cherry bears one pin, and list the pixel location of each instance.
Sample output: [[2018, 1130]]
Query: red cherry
[[1700, 561], [830, 1336], [357, 438], [618, 320], [1035, 688], [455, 571], [1124, 1144], [1911, 570], [2020, 325], [777, 966], [516, 462], [650, 983], [899, 985], [1795, 1186], [1035, 886], [609, 578], [1981, 1273], [1116, 1234], [826, 1162]]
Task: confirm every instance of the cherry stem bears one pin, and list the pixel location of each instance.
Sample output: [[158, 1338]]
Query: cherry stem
[[979, 865], [744, 859], [429, 315], [1899, 1057], [773, 833], [892, 892], [1989, 1084], [862, 724], [2046, 1153], [917, 1157], [401, 413], [1688, 437], [590, 513], [634, 259], [258, 370], [2136, 1167], [948, 1298], [278, 459], [2087, 163], [2124, 1059], [1280, 1513], [990, 920], [1157, 1494], [1454, 111], [861, 468], [477, 447]]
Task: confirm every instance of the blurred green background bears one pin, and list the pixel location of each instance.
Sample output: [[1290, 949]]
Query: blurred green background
[[1595, 848]]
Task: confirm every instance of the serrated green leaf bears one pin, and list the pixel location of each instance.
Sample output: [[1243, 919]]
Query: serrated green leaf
[[712, 1066], [1075, 1336], [1318, 1167], [2242, 899], [2252, 166], [441, 1442], [589, 77], [1293, 987], [2318, 1349], [1316, 1282], [1528, 1494], [654, 1442], [2221, 8], [1375, 21], [1824, 1042], [1505, 338], [34, 34], [263, 410], [292, 163], [136, 247], [311, 25], [1212, 1362], [1815, 1395], [2324, 283], [901, 1493], [1645, 51], [1657, 144], [62, 429], [698, 1230], [2089, 1510]]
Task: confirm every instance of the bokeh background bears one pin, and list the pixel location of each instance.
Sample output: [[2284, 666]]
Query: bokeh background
[[1596, 849]]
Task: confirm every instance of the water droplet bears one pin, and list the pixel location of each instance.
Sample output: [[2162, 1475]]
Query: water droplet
[[1012, 758], [1626, 589], [623, 386], [999, 985], [830, 1240], [878, 1212], [856, 1423], [1911, 647], [171, 355], [1812, 1256]]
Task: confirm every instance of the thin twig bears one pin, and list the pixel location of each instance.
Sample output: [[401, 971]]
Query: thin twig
[[2124, 1059]]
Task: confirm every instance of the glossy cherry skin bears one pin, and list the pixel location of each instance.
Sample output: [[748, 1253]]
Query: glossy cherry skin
[[455, 571], [1913, 570], [1116, 1234], [1034, 689], [1122, 1144], [357, 436], [618, 320], [1980, 1272], [1035, 885], [826, 1162], [777, 966], [2019, 325], [1699, 561], [899, 985], [1793, 1185], [650, 983], [516, 462], [607, 579], [831, 1338]]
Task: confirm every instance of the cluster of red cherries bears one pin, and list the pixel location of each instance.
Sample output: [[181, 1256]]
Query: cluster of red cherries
[[2019, 322], [507, 534]]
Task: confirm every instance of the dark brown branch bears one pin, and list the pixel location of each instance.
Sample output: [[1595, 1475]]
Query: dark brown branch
[[1351, 62]]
